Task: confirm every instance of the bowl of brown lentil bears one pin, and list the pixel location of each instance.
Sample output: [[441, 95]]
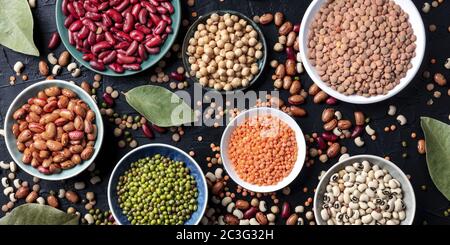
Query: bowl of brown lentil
[[224, 51], [360, 51]]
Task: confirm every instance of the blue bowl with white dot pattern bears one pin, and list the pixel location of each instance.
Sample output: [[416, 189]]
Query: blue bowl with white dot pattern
[[150, 150]]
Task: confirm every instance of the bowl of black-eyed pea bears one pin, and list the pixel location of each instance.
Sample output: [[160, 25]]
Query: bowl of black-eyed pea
[[364, 190], [224, 51]]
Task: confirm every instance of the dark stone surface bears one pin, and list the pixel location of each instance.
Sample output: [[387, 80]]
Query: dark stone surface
[[411, 102]]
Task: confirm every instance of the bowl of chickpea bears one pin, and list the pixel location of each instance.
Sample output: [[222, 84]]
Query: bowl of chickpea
[[224, 51]]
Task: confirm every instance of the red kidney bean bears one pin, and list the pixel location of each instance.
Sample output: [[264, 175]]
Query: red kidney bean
[[93, 16], [100, 46], [331, 101], [122, 45], [122, 6], [132, 49], [109, 37], [135, 10], [100, 37], [123, 36], [162, 10], [142, 52], [155, 2], [78, 6], [97, 65], [132, 67], [103, 54], [116, 68], [159, 129], [114, 15], [134, 1], [64, 7], [143, 15], [83, 33], [357, 131], [54, 41], [147, 131], [168, 5], [143, 29], [68, 21], [110, 58], [71, 10], [290, 54], [167, 19], [91, 38], [108, 99], [86, 44], [89, 24], [113, 3], [125, 59], [285, 210], [118, 25], [127, 11], [106, 21], [168, 29], [296, 28], [129, 23], [153, 50], [153, 42], [71, 39], [329, 136], [250, 213], [76, 26], [176, 76], [155, 18], [151, 8], [321, 144], [137, 35], [103, 6], [87, 6], [88, 56]]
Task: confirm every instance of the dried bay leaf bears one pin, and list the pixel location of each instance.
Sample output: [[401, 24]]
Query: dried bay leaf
[[37, 214], [16, 27], [437, 141], [160, 106]]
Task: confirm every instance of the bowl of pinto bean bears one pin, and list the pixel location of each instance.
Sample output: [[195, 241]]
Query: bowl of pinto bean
[[118, 37], [53, 130]]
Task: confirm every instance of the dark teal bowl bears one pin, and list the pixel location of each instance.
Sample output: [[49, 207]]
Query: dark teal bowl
[[149, 151], [152, 59]]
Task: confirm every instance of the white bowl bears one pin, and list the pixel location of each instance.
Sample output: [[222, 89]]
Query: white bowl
[[417, 25], [408, 192], [260, 111]]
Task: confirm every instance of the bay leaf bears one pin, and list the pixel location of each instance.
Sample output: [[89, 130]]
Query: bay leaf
[[437, 141], [37, 214], [160, 106], [16, 27]]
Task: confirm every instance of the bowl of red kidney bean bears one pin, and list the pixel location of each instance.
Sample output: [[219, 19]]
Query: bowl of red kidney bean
[[118, 37]]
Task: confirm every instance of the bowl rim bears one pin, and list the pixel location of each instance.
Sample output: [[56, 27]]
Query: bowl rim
[[171, 39], [301, 149], [347, 161], [77, 90], [201, 19], [122, 160], [357, 99]]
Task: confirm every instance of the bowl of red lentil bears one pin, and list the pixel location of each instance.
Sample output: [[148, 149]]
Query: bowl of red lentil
[[360, 51], [263, 149]]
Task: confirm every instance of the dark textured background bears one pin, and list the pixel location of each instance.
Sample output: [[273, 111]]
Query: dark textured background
[[411, 102]]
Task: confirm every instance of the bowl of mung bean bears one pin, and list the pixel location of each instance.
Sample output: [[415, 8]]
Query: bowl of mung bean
[[157, 184], [224, 51], [362, 52], [364, 190], [263, 149]]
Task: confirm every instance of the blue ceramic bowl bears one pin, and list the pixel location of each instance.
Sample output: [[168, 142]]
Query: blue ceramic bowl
[[152, 59], [148, 151], [22, 99]]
